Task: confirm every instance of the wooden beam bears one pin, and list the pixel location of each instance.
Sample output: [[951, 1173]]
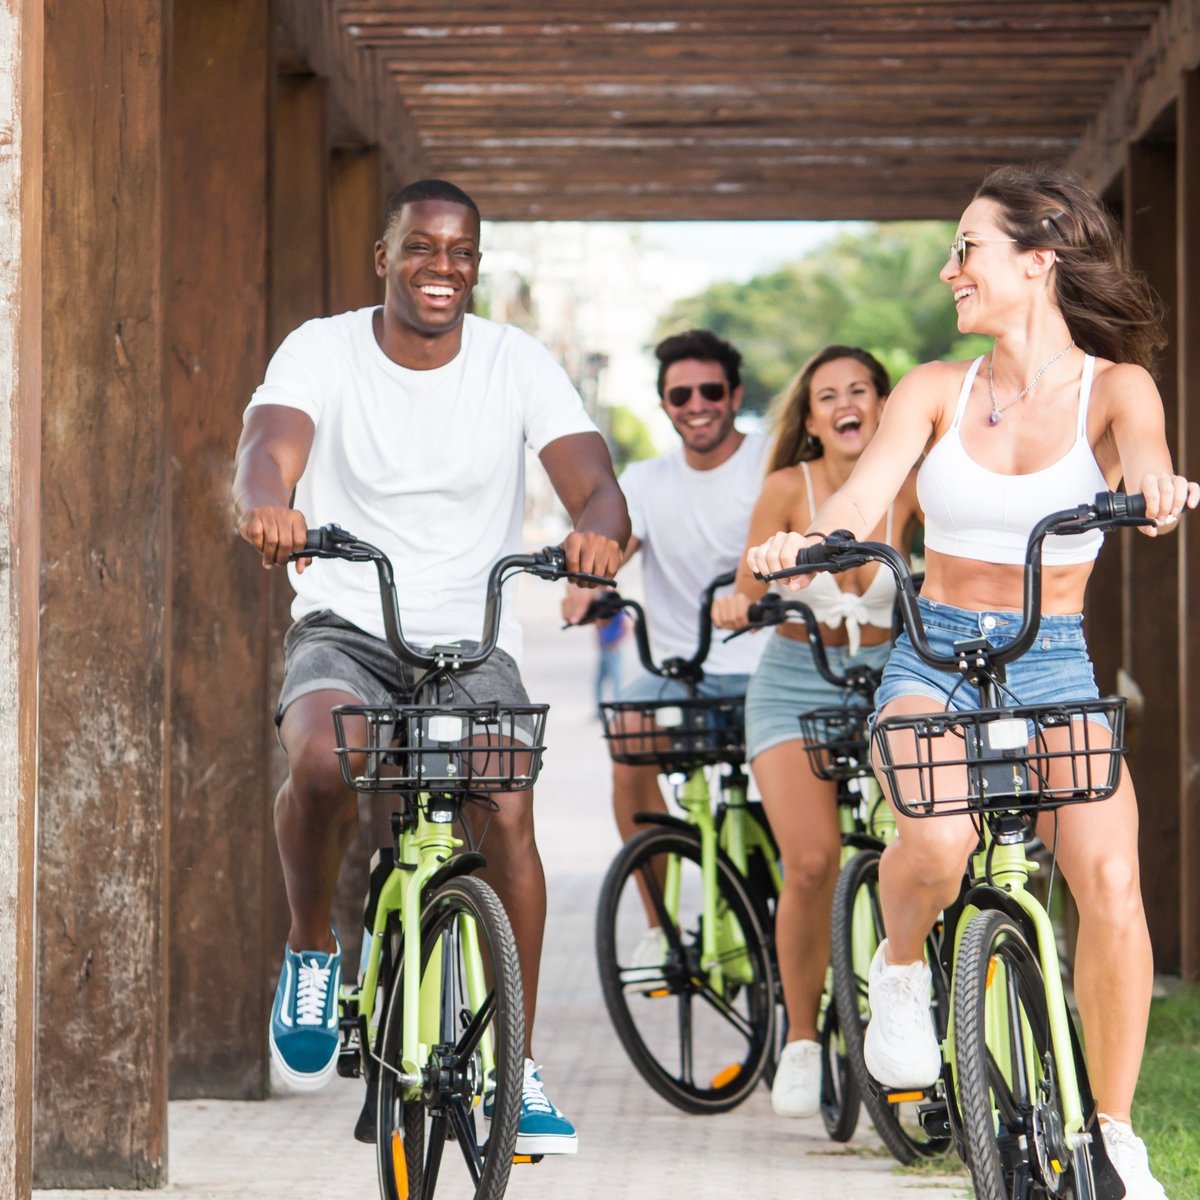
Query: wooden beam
[[355, 221], [105, 717], [1146, 87], [221, 97], [1188, 342], [21, 64], [1153, 567]]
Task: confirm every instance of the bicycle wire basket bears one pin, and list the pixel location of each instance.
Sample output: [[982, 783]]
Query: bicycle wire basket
[[1037, 757], [450, 750], [675, 735], [835, 740]]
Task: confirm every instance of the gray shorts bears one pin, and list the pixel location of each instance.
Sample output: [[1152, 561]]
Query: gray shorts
[[321, 652]]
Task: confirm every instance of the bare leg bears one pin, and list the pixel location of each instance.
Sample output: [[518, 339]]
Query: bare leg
[[802, 810], [316, 818], [635, 790]]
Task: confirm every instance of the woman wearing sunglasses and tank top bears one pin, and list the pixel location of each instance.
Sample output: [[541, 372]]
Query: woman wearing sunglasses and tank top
[[1062, 407], [826, 418]]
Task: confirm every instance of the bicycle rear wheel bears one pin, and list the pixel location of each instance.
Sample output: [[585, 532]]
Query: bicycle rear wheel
[[699, 1027], [857, 932], [472, 1012], [840, 1099], [1008, 1080]]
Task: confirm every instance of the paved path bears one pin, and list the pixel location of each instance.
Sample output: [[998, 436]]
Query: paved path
[[632, 1143]]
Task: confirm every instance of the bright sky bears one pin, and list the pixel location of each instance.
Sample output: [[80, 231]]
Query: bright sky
[[738, 250]]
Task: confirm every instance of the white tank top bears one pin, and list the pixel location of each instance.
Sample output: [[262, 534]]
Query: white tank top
[[831, 606], [971, 512]]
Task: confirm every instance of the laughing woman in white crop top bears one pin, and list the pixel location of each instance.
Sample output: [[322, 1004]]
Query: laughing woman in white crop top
[[1062, 407], [829, 413]]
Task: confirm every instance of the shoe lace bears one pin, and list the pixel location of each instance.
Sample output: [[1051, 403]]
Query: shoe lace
[[533, 1095], [907, 1005], [312, 988], [1125, 1148]]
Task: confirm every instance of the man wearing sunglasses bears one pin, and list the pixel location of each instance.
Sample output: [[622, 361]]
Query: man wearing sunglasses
[[689, 510]]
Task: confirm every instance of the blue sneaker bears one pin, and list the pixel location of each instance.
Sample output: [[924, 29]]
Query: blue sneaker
[[304, 1018], [542, 1129]]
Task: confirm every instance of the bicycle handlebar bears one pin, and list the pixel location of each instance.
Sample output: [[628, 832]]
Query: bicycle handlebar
[[841, 552], [688, 670], [331, 541]]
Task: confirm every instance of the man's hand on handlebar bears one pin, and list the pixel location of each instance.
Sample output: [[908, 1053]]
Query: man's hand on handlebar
[[276, 533], [729, 612], [591, 554], [1166, 497], [778, 553]]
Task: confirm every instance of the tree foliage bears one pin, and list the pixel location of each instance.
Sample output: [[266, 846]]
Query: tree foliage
[[877, 288]]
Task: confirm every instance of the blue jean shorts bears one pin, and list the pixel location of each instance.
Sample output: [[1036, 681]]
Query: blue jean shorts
[[1056, 668], [653, 687], [786, 684]]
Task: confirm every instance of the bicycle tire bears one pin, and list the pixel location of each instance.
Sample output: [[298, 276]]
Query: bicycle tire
[[412, 1132], [858, 889], [735, 1042], [1007, 1085], [840, 1099]]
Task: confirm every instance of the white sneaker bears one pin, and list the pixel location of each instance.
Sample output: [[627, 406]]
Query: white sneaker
[[901, 1048], [644, 970], [796, 1091], [1127, 1153]]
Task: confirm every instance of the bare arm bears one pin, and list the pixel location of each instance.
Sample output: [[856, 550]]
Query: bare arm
[[271, 456], [581, 471], [1138, 430]]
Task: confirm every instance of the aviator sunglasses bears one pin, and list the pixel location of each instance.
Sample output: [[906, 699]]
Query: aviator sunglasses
[[677, 397], [962, 243]]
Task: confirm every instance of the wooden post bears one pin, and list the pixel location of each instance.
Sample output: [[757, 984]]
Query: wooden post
[[1152, 599], [1188, 462], [355, 217], [221, 92], [101, 1087], [20, 420]]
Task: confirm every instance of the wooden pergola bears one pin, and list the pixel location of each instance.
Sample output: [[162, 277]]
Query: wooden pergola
[[183, 183]]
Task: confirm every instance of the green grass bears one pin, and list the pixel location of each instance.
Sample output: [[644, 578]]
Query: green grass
[[1168, 1096]]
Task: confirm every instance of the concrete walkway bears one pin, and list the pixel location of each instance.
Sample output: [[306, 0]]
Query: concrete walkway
[[632, 1143]]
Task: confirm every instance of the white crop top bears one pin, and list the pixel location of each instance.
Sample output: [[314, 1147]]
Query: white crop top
[[831, 606], [971, 512]]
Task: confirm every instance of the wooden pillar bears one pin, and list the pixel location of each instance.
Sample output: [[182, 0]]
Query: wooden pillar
[[101, 1088], [1188, 460], [1152, 600], [355, 219], [20, 401], [221, 95]]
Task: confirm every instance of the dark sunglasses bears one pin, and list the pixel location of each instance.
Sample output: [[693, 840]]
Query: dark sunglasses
[[677, 397]]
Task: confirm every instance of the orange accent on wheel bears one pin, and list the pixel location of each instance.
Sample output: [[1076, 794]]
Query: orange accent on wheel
[[399, 1165]]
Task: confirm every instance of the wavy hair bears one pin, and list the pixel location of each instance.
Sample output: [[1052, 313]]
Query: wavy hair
[[1111, 311], [792, 443]]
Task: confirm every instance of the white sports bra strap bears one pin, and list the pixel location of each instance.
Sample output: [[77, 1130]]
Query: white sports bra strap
[[812, 508], [966, 391], [1085, 392]]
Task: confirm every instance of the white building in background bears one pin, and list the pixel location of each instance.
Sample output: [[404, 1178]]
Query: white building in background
[[592, 293]]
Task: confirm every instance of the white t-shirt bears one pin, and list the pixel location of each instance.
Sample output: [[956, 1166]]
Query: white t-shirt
[[427, 465], [692, 526]]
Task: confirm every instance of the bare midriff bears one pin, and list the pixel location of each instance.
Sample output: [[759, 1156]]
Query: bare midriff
[[1000, 587]]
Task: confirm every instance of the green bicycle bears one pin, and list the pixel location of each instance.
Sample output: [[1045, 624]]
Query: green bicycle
[[438, 1016], [1014, 1090]]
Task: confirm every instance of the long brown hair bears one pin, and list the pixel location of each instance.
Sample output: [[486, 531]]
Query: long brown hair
[[1111, 311], [793, 443]]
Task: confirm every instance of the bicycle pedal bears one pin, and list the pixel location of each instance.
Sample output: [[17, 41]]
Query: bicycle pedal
[[934, 1118], [903, 1097], [527, 1158], [349, 1062]]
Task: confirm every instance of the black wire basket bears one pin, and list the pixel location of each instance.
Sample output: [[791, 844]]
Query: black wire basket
[[459, 749], [675, 735], [1020, 759], [835, 740]]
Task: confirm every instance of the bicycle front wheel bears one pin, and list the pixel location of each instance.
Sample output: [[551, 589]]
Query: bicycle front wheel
[[1008, 1078], [698, 1018], [471, 1041], [857, 932]]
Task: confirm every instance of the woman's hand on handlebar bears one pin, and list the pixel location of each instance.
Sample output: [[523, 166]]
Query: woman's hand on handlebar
[[576, 602], [591, 554], [778, 553], [729, 612], [275, 532], [1166, 497]]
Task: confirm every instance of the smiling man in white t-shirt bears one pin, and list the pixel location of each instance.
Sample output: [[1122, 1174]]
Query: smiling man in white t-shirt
[[406, 424]]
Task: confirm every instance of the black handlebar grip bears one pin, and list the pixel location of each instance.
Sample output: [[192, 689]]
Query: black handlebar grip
[[1115, 506]]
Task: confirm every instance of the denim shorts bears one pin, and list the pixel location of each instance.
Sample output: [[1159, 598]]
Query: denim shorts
[[322, 652], [1054, 669], [653, 687], [786, 684]]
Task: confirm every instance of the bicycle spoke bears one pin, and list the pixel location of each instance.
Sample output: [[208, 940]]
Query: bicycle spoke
[[685, 1039], [1006, 1103], [473, 1034], [464, 1131], [435, 1143], [726, 1010], [665, 922]]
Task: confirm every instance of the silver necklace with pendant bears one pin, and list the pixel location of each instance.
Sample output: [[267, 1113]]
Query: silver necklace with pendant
[[997, 413]]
